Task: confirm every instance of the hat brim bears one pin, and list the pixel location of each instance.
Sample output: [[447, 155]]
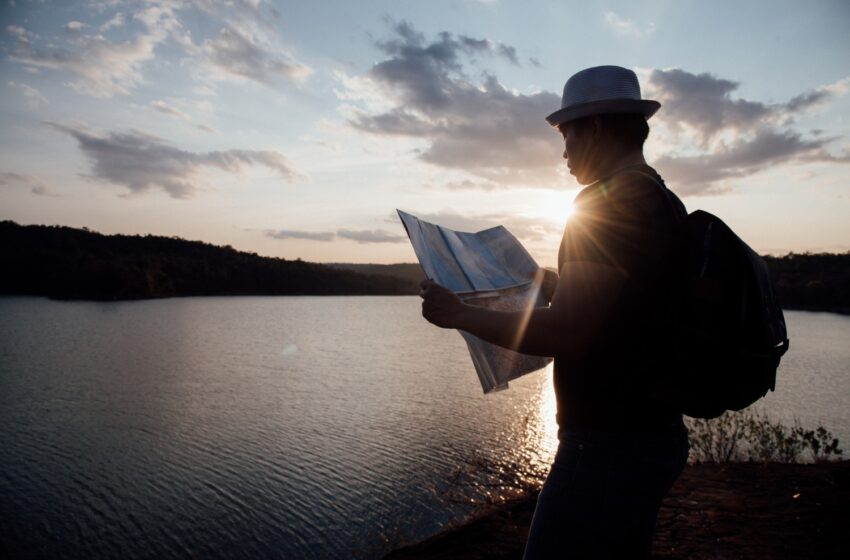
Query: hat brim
[[645, 107]]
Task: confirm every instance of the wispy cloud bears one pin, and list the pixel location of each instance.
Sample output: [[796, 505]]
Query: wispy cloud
[[102, 68], [360, 236], [166, 109], [170, 110], [297, 234], [141, 162], [30, 182], [34, 98], [371, 236], [237, 53], [625, 27], [117, 20], [243, 45]]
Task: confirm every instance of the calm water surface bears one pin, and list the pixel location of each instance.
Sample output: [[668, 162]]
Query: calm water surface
[[294, 427]]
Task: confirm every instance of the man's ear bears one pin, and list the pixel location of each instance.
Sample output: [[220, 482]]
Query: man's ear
[[596, 128]]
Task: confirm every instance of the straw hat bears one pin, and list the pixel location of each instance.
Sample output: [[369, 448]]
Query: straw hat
[[602, 90]]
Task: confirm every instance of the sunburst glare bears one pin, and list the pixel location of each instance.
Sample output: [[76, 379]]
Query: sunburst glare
[[555, 206]]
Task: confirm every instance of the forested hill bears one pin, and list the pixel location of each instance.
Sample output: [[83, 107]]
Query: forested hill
[[411, 272], [814, 281], [64, 262], [69, 263]]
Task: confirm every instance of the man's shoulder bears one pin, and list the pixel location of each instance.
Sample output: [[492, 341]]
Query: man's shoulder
[[633, 192], [639, 185]]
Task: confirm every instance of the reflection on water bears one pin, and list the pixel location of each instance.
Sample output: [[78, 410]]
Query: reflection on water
[[273, 427], [240, 427], [542, 434]]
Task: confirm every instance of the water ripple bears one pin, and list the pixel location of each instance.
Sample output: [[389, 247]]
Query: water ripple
[[181, 428]]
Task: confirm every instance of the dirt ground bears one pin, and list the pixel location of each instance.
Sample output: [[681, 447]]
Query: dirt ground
[[714, 511]]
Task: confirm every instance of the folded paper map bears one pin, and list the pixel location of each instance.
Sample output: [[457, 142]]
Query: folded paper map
[[488, 269]]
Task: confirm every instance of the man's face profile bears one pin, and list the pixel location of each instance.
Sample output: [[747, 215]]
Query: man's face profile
[[576, 144]]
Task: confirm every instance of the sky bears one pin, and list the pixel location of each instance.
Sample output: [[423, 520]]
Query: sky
[[296, 129]]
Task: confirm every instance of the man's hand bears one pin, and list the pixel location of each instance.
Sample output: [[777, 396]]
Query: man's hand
[[440, 306]]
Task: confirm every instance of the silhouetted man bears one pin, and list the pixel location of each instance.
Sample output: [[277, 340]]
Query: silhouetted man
[[606, 326]]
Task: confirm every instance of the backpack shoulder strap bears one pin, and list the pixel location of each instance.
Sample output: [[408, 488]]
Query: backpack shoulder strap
[[678, 209]]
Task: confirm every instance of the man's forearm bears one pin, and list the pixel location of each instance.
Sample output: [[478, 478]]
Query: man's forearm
[[580, 306], [531, 332]]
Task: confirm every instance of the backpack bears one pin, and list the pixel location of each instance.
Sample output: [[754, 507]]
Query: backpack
[[730, 333]]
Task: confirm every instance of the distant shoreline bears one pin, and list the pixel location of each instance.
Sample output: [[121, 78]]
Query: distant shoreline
[[65, 263], [811, 309]]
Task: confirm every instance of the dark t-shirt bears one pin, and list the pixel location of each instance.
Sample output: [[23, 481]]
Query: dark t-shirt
[[630, 222]]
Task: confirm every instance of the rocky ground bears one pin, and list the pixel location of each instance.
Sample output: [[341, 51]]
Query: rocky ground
[[714, 511]]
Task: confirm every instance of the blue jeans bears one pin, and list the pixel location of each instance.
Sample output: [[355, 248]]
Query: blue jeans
[[603, 494]]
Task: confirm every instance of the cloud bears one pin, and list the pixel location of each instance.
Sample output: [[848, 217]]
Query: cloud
[[468, 184], [508, 52], [702, 174], [242, 46], [20, 34], [733, 137], [116, 20], [370, 236], [704, 103], [496, 137], [625, 27], [74, 26], [360, 236], [30, 182], [426, 74], [293, 234], [237, 53], [141, 162], [166, 109], [476, 126], [102, 68], [34, 98]]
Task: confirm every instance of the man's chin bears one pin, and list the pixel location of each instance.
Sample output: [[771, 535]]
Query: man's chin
[[579, 176], [581, 179]]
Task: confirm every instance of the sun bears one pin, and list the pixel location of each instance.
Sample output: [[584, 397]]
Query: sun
[[555, 207]]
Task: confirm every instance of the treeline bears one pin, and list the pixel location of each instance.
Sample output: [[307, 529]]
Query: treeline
[[410, 272], [70, 263], [814, 281]]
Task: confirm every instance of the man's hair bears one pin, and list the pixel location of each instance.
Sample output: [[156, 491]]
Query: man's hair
[[629, 130]]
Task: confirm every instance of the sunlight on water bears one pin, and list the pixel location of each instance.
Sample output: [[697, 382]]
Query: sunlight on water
[[548, 442], [542, 431], [295, 427]]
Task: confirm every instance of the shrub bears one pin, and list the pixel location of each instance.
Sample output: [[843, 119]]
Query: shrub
[[750, 435]]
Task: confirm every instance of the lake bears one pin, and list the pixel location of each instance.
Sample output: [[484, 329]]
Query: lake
[[276, 427]]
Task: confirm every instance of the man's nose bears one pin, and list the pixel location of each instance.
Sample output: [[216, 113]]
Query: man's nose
[[565, 154]]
